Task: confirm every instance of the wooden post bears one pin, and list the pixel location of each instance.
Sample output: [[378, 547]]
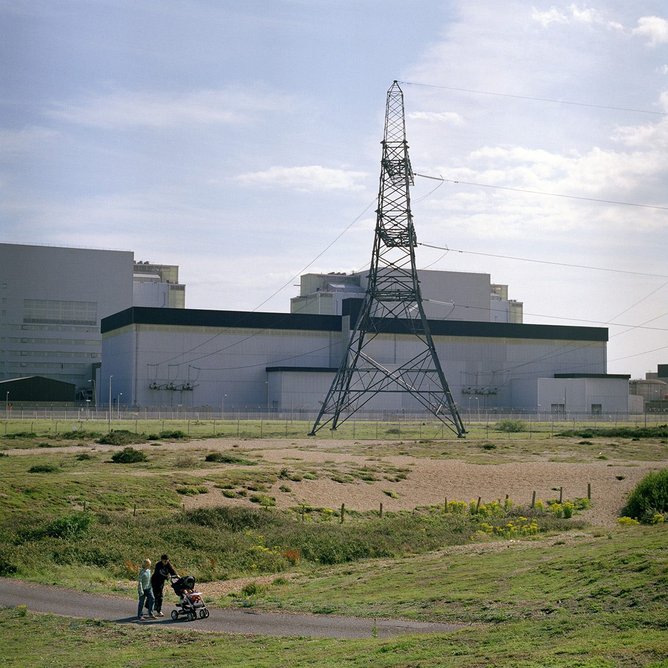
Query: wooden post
[[589, 491], [477, 505], [134, 510], [533, 499], [380, 512], [445, 505], [343, 512], [561, 494]]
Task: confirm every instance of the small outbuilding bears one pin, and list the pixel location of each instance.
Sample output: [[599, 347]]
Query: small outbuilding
[[36, 388]]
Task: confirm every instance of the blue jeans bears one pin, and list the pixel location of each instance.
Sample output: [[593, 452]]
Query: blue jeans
[[148, 597]]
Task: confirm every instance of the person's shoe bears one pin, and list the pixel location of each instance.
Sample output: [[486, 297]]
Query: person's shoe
[[159, 614], [140, 619], [152, 616]]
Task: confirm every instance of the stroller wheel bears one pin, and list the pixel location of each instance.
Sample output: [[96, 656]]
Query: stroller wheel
[[192, 616], [175, 615], [203, 613]]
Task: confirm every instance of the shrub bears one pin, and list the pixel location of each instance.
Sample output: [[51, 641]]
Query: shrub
[[228, 458], [649, 498], [176, 435], [7, 564], [128, 456], [121, 437], [43, 468], [80, 433], [511, 426], [69, 526]]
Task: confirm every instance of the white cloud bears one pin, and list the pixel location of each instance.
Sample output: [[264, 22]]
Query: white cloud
[[654, 28], [449, 117], [574, 14], [552, 15], [13, 142], [309, 178], [160, 110]]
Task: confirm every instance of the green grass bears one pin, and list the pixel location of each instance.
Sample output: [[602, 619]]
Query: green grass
[[24, 431], [582, 598], [579, 575], [596, 601]]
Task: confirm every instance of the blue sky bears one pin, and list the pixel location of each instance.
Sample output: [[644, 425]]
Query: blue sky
[[241, 141]]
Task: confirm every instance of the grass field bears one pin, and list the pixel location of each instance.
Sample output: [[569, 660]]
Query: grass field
[[533, 587]]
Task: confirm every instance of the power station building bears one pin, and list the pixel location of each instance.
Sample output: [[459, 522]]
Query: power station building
[[52, 300], [99, 320], [285, 362]]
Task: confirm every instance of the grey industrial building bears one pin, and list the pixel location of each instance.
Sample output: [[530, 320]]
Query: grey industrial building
[[247, 361], [52, 300], [98, 319]]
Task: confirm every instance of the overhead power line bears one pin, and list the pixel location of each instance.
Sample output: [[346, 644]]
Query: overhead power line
[[539, 99], [542, 192], [527, 259]]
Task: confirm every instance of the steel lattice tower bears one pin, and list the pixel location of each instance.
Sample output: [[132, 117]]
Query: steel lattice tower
[[393, 302]]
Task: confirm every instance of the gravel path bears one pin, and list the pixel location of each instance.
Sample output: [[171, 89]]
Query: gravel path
[[71, 603]]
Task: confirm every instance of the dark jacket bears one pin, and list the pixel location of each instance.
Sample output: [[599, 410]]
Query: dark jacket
[[161, 573]]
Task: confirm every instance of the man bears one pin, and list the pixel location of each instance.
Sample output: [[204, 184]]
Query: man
[[163, 570]]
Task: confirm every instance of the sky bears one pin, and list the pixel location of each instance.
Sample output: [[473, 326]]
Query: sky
[[240, 140]]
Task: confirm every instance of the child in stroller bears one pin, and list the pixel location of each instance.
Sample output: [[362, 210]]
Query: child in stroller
[[191, 604]]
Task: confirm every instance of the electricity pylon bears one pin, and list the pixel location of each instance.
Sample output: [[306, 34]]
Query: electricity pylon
[[392, 305]]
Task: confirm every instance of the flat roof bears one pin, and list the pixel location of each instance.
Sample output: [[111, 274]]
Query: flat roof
[[176, 317]]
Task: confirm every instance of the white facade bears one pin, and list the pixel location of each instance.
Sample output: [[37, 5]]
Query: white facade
[[236, 361], [446, 295]]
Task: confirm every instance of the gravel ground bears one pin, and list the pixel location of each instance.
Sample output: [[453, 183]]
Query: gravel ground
[[430, 481]]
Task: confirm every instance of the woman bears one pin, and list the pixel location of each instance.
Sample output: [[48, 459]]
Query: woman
[[144, 590], [163, 571]]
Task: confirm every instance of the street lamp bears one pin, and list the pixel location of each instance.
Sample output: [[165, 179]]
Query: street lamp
[[92, 380], [110, 404]]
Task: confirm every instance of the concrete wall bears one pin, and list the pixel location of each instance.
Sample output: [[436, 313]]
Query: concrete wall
[[51, 303]]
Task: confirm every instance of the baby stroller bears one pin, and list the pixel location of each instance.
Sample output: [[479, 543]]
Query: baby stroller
[[191, 604]]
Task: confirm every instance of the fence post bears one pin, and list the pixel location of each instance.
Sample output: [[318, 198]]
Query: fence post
[[477, 505], [561, 494], [381, 509], [445, 505], [343, 511], [589, 491], [533, 499]]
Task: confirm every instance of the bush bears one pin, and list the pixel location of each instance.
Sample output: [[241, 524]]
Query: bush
[[649, 498], [511, 426], [128, 456], [176, 435], [228, 458], [69, 526], [122, 437], [43, 468]]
